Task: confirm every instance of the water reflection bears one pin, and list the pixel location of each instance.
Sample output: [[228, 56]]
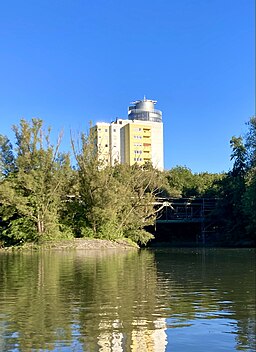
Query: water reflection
[[164, 300], [213, 294]]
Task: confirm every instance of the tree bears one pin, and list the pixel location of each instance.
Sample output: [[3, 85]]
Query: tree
[[184, 183], [139, 186], [249, 202], [112, 202], [249, 198], [33, 184], [232, 216], [239, 155], [180, 179], [7, 162], [250, 142], [236, 212]]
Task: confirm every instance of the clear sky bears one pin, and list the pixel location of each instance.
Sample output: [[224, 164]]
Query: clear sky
[[72, 61]]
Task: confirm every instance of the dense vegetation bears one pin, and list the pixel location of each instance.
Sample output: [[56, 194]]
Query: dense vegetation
[[43, 197]]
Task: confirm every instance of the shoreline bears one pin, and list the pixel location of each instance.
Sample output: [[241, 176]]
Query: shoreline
[[76, 243]]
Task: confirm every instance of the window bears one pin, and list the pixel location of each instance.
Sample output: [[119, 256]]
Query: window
[[137, 129], [106, 130], [114, 130], [137, 137], [106, 145]]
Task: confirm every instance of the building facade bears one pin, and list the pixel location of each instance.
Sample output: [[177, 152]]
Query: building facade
[[138, 139]]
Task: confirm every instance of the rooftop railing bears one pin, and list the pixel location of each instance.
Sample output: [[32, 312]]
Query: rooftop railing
[[137, 111]]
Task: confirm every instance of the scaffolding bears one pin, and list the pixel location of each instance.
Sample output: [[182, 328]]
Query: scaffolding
[[188, 210]]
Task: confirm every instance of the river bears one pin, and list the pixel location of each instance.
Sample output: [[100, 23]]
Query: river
[[141, 301]]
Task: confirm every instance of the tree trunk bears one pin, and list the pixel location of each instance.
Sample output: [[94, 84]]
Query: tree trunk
[[40, 225]]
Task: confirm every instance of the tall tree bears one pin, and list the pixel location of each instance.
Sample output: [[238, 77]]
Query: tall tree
[[7, 160], [239, 156], [250, 142], [233, 188], [249, 198], [34, 179], [113, 201], [184, 183]]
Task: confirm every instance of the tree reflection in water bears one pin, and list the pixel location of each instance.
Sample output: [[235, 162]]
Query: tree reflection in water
[[126, 301]]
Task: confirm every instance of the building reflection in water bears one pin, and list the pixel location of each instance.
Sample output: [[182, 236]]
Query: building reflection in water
[[142, 340], [127, 301]]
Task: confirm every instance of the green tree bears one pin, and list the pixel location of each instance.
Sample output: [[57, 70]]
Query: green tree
[[250, 142], [112, 202], [33, 184], [231, 215], [183, 183], [249, 198], [249, 203], [207, 184], [180, 179], [139, 186], [7, 160], [239, 156]]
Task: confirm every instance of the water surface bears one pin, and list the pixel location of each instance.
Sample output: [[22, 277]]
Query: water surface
[[151, 300]]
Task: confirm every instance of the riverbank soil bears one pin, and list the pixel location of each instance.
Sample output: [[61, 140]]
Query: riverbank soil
[[77, 243]]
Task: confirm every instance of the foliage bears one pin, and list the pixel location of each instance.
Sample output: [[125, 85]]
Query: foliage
[[7, 164], [183, 183], [235, 215], [237, 206], [239, 155], [33, 183], [250, 142], [249, 202], [43, 198], [112, 202], [249, 197]]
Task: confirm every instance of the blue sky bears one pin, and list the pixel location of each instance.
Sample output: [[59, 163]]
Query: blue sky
[[72, 61]]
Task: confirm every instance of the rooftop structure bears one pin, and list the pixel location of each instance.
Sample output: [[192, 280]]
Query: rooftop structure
[[138, 139], [144, 110]]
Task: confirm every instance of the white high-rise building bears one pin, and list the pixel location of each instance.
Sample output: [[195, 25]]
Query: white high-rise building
[[138, 139]]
